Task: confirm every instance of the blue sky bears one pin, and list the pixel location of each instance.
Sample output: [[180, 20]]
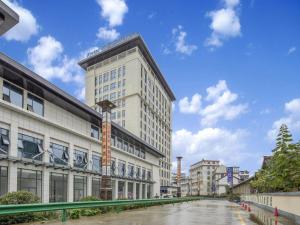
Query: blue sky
[[232, 64]]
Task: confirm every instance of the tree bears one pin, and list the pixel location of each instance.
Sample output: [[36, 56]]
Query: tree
[[282, 172]]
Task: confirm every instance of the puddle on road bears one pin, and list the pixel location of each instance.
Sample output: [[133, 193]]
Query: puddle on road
[[268, 218]]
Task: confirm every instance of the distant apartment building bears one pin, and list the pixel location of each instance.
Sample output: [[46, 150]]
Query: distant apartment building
[[221, 183], [244, 175], [201, 175], [126, 74]]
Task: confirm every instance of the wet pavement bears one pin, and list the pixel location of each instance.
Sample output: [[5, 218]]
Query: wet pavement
[[206, 212]]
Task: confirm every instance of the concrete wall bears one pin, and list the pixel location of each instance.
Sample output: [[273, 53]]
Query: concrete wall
[[287, 203]]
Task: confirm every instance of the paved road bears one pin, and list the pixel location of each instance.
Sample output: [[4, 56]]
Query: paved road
[[193, 213]]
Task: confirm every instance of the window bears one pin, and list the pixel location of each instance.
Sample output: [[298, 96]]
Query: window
[[30, 147], [4, 141], [137, 151], [79, 188], [113, 86], [123, 103], [96, 81], [121, 168], [96, 92], [96, 185], [142, 154], [12, 94], [97, 165], [124, 70], [59, 154], [123, 83], [138, 173], [143, 174], [123, 123], [3, 180], [119, 72], [123, 92], [35, 105], [113, 74], [105, 88], [105, 77], [149, 175], [123, 113], [113, 96], [95, 132], [113, 115], [113, 167], [80, 159], [130, 170], [58, 187], [105, 97], [31, 181], [100, 79]]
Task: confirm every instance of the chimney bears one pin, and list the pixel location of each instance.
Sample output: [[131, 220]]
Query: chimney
[[178, 176]]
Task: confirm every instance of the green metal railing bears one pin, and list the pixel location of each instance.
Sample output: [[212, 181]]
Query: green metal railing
[[64, 206]]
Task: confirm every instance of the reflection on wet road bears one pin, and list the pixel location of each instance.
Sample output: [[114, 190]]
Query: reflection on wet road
[[206, 212]]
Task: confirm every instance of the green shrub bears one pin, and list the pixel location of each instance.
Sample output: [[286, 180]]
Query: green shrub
[[89, 211], [14, 198], [74, 214]]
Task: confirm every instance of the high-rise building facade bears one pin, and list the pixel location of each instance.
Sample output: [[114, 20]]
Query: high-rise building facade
[[201, 174], [126, 74]]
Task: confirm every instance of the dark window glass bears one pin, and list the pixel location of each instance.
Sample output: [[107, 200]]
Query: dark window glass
[[3, 180], [79, 187], [121, 189], [96, 185], [30, 147], [113, 168], [35, 104], [12, 94], [58, 187], [121, 168], [4, 141], [149, 175], [80, 159], [59, 154], [138, 173], [94, 132], [31, 181], [130, 171], [97, 165], [143, 174]]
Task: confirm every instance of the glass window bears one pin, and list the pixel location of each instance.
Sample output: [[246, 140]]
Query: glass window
[[97, 165], [58, 187], [105, 77], [143, 174], [12, 94], [113, 74], [149, 175], [79, 187], [3, 180], [113, 167], [130, 170], [30, 147], [113, 96], [96, 185], [105, 88], [130, 190], [113, 86], [4, 141], [31, 181], [121, 189], [59, 154], [137, 151], [124, 70], [80, 159], [100, 79], [123, 83], [142, 154], [138, 173], [35, 104], [121, 168], [94, 132]]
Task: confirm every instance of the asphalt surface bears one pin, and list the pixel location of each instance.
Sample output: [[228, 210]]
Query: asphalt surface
[[206, 212]]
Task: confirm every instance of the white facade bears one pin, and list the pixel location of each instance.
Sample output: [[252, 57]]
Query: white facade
[[127, 75], [58, 130], [201, 175]]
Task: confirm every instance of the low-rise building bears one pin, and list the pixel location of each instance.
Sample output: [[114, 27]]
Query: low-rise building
[[244, 187], [50, 144]]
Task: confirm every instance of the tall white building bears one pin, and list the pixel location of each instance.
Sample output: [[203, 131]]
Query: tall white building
[[126, 74], [201, 175]]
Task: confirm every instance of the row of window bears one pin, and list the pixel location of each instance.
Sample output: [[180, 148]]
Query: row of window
[[110, 87], [110, 75], [14, 95]]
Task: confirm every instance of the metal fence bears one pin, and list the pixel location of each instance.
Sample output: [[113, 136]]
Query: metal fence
[[64, 206]]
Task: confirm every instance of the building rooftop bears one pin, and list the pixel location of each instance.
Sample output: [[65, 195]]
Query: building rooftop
[[206, 160], [8, 18], [122, 45], [27, 79]]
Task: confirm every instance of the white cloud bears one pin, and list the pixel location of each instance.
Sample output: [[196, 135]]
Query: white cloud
[[292, 50], [108, 34], [180, 43], [292, 119], [265, 111], [211, 143], [48, 60], [113, 11], [225, 23], [27, 25], [193, 106], [220, 104]]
